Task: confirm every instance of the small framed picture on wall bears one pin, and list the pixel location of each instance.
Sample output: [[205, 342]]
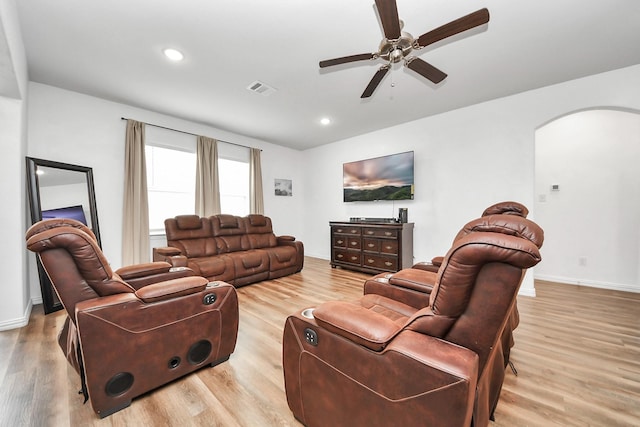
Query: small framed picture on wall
[[283, 187]]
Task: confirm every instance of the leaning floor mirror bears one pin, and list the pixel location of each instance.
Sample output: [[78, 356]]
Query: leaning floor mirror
[[60, 190]]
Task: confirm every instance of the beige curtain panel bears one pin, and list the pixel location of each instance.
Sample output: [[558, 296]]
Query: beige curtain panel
[[256, 197], [135, 223], [207, 182]]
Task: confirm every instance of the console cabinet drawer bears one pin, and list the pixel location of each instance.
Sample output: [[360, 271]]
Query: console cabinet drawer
[[350, 257], [346, 230], [380, 232], [389, 247], [381, 262], [372, 247], [339, 241]]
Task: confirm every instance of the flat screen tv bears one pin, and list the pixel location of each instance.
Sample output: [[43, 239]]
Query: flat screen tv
[[381, 178], [72, 212]]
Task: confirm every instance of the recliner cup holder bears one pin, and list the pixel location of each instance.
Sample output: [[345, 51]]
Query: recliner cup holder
[[308, 313]]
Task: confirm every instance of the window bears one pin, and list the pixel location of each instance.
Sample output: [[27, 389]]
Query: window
[[171, 182], [234, 186]]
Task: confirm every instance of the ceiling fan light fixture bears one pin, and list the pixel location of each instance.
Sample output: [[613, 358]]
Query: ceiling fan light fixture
[[173, 54]]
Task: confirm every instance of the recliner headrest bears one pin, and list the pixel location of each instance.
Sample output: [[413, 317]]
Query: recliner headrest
[[228, 221], [188, 222], [507, 208], [257, 220], [48, 224], [506, 224]]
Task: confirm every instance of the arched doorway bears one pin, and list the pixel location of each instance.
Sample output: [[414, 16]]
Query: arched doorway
[[587, 198]]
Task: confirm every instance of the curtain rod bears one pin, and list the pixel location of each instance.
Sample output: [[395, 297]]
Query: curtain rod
[[185, 132]]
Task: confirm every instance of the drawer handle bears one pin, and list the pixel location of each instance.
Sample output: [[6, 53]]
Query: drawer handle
[[340, 256], [354, 231], [387, 233], [388, 247], [369, 232], [354, 243], [388, 264], [340, 242], [339, 230], [371, 261], [353, 258], [370, 245]]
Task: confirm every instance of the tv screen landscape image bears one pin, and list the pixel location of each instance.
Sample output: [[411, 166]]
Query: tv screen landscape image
[[381, 178], [71, 212]]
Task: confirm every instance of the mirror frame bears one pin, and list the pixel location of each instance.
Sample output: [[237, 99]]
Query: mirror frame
[[50, 303]]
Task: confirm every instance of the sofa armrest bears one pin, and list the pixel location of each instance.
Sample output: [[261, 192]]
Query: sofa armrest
[[142, 270], [285, 239], [172, 289], [356, 323], [171, 255], [167, 251]]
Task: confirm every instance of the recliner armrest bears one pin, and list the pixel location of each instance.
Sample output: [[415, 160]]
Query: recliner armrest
[[286, 238], [356, 323], [172, 289], [433, 265]]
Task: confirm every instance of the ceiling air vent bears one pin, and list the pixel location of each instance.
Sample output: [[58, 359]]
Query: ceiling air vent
[[261, 88]]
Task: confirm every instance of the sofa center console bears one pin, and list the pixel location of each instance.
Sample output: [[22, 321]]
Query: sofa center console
[[371, 246]]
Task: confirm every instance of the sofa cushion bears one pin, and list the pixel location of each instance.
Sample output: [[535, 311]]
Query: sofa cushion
[[218, 267], [282, 257], [258, 241]]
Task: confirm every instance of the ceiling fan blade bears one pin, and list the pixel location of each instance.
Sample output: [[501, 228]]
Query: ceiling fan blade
[[375, 81], [346, 59], [465, 23], [388, 11], [426, 70]]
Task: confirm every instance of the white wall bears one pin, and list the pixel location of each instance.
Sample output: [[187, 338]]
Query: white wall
[[15, 304], [73, 128], [465, 160], [592, 222]]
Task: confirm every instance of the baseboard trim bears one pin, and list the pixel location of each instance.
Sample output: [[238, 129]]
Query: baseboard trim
[[19, 322], [527, 292], [589, 283]]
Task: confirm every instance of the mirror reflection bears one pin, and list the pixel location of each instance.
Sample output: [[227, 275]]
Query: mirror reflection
[[60, 190]]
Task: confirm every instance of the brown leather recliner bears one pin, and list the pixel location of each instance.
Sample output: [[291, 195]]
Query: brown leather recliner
[[378, 361], [126, 340], [413, 285]]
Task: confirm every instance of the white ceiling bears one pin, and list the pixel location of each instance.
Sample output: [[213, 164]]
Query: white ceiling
[[112, 49]]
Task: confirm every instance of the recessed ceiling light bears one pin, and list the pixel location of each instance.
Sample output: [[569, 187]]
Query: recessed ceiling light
[[173, 54], [325, 121]]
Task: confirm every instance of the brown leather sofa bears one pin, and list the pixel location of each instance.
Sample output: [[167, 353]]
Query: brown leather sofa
[[379, 361], [125, 340], [237, 250]]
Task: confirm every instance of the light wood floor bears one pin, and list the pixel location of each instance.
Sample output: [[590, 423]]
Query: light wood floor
[[577, 353]]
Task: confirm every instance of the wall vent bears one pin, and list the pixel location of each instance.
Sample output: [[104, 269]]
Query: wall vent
[[261, 88]]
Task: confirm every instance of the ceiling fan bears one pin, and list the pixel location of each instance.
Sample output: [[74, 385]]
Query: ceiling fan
[[397, 45]]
